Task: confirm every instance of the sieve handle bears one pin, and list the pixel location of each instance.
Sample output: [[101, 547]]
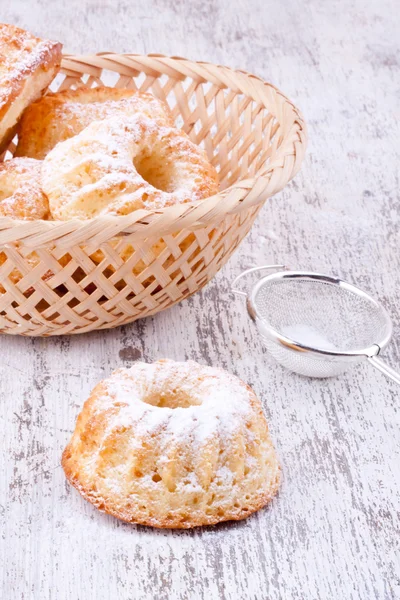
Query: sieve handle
[[379, 364], [253, 270]]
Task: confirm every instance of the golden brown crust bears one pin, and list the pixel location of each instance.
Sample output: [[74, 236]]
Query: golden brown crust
[[103, 443], [128, 517], [27, 66], [60, 116]]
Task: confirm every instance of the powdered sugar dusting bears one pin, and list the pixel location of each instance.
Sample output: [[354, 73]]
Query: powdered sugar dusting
[[222, 406], [77, 174], [173, 444], [27, 66], [57, 117], [220, 400], [308, 336], [21, 195], [21, 54]]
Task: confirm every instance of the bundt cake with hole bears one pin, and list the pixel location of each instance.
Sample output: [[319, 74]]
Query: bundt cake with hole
[[174, 445], [124, 164]]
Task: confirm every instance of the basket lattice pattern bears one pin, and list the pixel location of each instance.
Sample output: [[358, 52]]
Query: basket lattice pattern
[[113, 270]]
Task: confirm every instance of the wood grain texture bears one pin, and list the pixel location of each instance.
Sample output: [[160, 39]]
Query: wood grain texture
[[333, 532]]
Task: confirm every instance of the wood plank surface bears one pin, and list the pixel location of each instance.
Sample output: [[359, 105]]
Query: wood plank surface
[[333, 532]]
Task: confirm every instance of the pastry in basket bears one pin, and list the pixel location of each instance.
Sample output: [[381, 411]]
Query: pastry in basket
[[21, 194], [173, 444], [21, 197], [120, 165], [59, 116], [124, 164], [27, 66]]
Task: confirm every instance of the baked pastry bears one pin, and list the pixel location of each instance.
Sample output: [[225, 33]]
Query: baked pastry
[[27, 66], [59, 116], [173, 444], [121, 165], [21, 195]]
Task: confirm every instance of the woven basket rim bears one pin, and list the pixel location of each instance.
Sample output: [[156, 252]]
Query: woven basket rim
[[142, 223]]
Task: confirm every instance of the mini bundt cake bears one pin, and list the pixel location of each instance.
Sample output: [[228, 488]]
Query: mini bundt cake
[[173, 444], [124, 164]]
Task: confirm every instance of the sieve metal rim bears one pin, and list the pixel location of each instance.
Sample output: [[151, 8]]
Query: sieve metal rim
[[293, 345]]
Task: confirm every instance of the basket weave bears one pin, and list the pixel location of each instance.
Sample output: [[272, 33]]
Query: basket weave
[[253, 135]]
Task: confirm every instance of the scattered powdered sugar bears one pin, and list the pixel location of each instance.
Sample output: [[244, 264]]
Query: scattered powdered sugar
[[85, 105], [221, 411], [308, 336], [218, 397], [21, 54]]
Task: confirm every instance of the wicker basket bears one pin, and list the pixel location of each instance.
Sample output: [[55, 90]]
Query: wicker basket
[[254, 136]]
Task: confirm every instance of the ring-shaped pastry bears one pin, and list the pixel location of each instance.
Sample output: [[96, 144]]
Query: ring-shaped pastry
[[120, 165], [173, 444]]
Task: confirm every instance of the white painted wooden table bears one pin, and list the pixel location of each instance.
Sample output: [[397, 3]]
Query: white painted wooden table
[[334, 530]]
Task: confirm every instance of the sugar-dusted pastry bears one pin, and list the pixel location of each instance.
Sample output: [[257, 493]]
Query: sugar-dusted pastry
[[21, 194], [173, 444], [120, 165], [27, 66], [59, 116], [21, 197]]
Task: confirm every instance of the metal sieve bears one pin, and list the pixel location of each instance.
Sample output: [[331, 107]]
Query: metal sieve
[[316, 325]]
